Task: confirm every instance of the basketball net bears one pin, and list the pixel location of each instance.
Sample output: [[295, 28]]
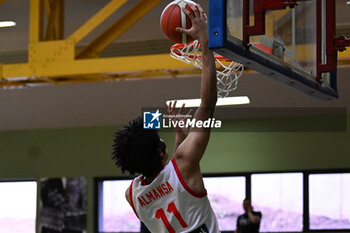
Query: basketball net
[[227, 72]]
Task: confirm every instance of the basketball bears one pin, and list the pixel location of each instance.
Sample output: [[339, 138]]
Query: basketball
[[173, 17]]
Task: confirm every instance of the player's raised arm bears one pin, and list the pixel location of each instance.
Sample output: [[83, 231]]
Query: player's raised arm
[[192, 149]]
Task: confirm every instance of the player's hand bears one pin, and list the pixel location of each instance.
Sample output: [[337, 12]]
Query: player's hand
[[178, 116], [199, 29]]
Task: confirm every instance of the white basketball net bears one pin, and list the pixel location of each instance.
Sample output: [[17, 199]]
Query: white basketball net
[[228, 72]]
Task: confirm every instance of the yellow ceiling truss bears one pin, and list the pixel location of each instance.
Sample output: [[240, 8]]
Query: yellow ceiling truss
[[53, 59]]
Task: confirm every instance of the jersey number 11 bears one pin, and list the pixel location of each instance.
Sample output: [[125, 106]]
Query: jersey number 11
[[160, 214]]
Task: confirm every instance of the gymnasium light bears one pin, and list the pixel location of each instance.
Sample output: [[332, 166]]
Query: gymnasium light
[[348, 3], [190, 103], [4, 24]]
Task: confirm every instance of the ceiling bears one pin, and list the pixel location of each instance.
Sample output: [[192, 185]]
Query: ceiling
[[113, 103]]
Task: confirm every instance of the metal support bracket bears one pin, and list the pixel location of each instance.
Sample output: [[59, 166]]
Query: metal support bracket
[[325, 36], [278, 49]]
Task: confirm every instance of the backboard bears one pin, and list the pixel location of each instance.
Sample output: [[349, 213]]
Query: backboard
[[289, 41]]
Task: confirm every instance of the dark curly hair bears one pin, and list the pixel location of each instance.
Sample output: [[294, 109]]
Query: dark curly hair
[[137, 150]]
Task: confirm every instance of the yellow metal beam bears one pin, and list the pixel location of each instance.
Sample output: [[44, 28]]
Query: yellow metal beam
[[58, 19], [345, 54], [47, 5], [36, 20], [118, 28], [47, 52], [55, 19], [59, 61], [66, 67], [96, 20], [344, 58], [11, 83], [50, 18], [1, 76]]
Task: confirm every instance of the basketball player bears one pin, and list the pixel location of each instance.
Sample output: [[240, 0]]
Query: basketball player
[[171, 197]]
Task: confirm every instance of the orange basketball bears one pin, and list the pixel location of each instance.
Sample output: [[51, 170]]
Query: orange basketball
[[173, 17]]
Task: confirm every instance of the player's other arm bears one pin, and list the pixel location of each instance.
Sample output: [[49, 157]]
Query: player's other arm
[[180, 132], [190, 152]]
